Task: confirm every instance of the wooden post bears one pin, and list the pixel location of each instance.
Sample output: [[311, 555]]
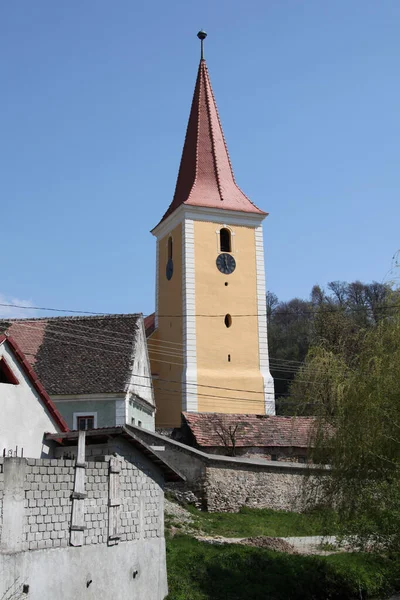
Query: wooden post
[[78, 495], [114, 503]]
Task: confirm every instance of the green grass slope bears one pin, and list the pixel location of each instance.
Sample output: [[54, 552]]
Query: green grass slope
[[199, 571]]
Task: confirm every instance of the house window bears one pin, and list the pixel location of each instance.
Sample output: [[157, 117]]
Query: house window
[[228, 320], [6, 375], [132, 420], [274, 457], [225, 240], [170, 248], [139, 423], [83, 421]]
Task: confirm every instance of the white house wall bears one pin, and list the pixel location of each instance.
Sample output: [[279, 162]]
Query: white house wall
[[24, 418], [140, 386]]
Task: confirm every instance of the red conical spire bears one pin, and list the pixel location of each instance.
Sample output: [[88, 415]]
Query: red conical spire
[[205, 174]]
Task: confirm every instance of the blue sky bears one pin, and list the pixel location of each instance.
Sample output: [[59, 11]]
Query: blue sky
[[93, 111]]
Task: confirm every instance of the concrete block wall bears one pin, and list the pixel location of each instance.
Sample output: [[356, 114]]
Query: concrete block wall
[[48, 487], [76, 529], [1, 494]]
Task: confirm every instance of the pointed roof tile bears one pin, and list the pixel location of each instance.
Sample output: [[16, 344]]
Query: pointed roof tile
[[205, 175]]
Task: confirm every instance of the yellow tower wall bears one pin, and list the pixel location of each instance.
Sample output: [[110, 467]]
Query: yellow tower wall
[[165, 344], [240, 379]]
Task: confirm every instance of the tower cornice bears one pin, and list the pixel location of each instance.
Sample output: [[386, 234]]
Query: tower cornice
[[210, 215]]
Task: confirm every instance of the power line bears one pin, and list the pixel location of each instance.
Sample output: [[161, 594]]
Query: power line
[[320, 309], [119, 352], [153, 345]]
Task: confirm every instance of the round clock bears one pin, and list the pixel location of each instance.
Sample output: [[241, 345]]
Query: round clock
[[169, 269], [226, 263]]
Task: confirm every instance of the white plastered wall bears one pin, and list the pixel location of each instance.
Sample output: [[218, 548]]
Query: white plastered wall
[[139, 387], [24, 418], [269, 390]]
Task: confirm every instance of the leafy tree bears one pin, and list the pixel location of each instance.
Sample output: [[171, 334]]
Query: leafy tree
[[357, 404], [334, 320]]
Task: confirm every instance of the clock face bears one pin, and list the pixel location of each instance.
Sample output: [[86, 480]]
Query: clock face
[[169, 269], [226, 263]]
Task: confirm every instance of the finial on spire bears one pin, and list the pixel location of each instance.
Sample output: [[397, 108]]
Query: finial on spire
[[202, 36]]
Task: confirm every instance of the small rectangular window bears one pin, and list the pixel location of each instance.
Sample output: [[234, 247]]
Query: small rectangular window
[[274, 457], [85, 422], [132, 421], [139, 423]]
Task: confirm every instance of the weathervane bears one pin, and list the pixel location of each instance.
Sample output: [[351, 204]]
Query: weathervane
[[202, 36]]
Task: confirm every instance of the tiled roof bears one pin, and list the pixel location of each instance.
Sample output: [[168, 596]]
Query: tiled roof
[[36, 384], [205, 174], [150, 324], [79, 355], [252, 431]]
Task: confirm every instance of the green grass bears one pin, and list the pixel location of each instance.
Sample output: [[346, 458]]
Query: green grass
[[199, 571], [250, 522]]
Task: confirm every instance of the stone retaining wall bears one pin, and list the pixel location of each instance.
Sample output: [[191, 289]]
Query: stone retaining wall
[[228, 488], [224, 483]]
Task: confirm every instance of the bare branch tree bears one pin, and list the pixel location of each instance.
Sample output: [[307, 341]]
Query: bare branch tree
[[226, 433]]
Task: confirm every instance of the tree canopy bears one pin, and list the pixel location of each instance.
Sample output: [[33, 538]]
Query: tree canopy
[[350, 380]]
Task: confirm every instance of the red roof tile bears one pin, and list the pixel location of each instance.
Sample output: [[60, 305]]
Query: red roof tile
[[205, 175], [150, 324], [252, 431]]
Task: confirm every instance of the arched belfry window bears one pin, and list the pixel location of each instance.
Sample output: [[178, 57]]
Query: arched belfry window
[[170, 248], [225, 240]]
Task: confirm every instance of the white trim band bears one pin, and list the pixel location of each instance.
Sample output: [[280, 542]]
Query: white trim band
[[269, 391], [189, 374]]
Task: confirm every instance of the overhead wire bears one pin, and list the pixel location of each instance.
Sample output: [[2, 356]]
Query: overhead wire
[[300, 313], [54, 335], [99, 336]]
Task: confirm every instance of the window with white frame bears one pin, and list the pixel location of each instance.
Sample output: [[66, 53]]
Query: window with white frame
[[85, 420]]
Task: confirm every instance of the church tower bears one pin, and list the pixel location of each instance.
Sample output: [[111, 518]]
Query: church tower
[[209, 346]]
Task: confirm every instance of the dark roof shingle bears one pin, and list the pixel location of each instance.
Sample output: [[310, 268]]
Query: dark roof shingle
[[79, 355]]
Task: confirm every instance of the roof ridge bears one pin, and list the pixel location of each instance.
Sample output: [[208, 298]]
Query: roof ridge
[[226, 146], [197, 135], [78, 317], [212, 133]]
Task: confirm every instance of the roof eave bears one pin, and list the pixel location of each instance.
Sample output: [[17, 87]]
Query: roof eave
[[170, 472]]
